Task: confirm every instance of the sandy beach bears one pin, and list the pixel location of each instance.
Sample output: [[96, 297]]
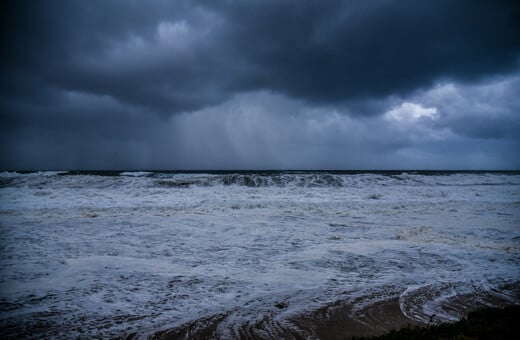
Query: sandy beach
[[338, 320], [335, 321]]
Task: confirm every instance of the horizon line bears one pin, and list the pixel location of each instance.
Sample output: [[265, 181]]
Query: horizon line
[[251, 170]]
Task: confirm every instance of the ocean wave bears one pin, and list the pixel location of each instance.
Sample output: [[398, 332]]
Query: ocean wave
[[136, 173], [260, 179]]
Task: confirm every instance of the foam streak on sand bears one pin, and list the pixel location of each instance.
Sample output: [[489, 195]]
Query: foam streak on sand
[[91, 254]]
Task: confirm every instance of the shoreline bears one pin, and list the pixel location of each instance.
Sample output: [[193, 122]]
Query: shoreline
[[333, 321], [486, 323], [337, 320]]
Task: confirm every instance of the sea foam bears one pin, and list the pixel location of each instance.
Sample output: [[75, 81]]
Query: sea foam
[[111, 254]]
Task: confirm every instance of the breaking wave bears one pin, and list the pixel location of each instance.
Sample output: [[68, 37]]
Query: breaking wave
[[256, 181], [280, 179]]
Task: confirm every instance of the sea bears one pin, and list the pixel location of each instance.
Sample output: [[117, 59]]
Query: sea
[[88, 254]]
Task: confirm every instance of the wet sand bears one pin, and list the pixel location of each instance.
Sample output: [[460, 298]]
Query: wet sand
[[338, 320], [335, 321]]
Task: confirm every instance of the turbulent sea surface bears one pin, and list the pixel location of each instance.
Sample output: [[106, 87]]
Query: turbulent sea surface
[[115, 254]]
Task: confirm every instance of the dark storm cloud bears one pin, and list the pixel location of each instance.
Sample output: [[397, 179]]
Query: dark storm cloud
[[320, 51], [66, 45], [114, 81], [333, 50]]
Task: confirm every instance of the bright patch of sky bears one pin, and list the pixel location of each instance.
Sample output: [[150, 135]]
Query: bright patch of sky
[[411, 112]]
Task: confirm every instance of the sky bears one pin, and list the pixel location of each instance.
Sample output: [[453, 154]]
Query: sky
[[272, 84]]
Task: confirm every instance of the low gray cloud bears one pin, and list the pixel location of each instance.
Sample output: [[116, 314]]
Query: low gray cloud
[[259, 84], [425, 129]]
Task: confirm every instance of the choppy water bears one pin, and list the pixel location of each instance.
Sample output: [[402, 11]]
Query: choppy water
[[111, 254]]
